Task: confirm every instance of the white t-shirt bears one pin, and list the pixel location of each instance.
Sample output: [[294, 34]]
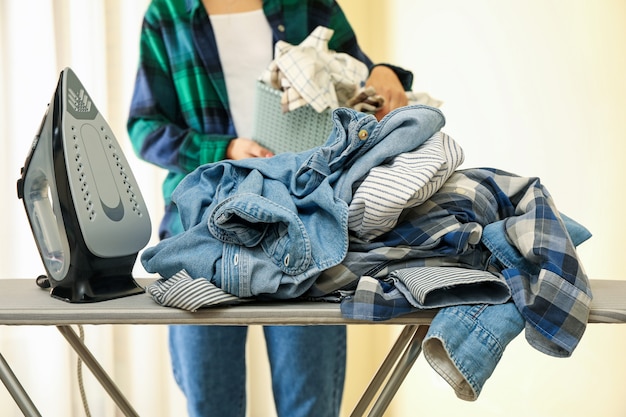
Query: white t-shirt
[[244, 43]]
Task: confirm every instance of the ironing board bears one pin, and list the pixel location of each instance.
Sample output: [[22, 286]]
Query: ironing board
[[23, 303]]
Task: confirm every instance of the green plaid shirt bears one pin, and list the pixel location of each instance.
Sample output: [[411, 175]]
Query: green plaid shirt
[[179, 116]]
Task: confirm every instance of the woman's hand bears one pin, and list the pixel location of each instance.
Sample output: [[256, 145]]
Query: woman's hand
[[241, 148], [387, 85]]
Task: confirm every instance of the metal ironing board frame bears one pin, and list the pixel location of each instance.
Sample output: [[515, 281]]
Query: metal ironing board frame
[[22, 303]]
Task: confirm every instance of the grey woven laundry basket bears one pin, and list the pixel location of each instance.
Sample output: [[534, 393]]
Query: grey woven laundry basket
[[294, 131]]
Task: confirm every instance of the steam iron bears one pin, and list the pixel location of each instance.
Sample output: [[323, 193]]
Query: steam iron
[[83, 204]]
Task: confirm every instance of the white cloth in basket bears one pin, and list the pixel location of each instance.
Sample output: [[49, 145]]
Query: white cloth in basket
[[310, 73]]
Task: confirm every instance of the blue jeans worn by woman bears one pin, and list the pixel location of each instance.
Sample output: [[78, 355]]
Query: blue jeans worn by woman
[[307, 366]]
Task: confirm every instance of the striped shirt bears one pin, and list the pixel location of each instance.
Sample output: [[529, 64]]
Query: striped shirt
[[408, 180]]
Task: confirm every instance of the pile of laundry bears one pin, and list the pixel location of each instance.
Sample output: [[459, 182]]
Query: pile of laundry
[[382, 220], [311, 74]]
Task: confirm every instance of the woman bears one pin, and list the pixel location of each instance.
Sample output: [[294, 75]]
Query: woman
[[193, 104]]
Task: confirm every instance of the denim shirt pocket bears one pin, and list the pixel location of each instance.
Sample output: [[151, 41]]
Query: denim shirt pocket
[[250, 220]]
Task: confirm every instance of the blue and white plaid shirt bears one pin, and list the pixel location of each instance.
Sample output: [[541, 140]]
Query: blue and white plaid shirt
[[480, 219]]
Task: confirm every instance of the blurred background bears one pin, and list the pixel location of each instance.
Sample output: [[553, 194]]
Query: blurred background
[[532, 87]]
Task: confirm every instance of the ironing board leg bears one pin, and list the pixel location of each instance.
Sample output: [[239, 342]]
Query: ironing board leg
[[408, 341], [89, 360], [16, 390], [399, 373]]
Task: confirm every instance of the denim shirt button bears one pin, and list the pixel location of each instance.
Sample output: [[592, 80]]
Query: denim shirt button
[[286, 260], [363, 134], [236, 259]]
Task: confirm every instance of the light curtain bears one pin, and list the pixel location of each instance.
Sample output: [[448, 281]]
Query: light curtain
[[98, 39]]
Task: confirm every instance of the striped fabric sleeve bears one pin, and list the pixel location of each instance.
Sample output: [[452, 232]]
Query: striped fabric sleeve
[[184, 292], [407, 181]]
